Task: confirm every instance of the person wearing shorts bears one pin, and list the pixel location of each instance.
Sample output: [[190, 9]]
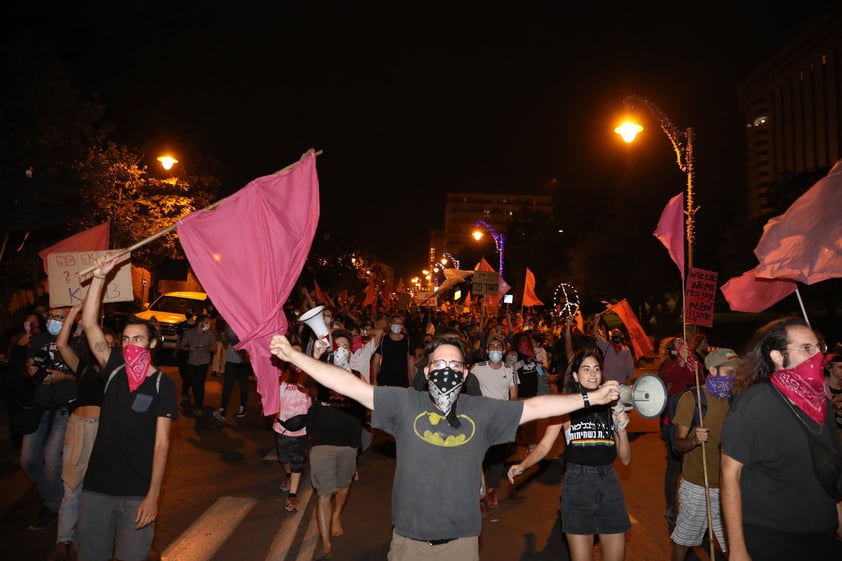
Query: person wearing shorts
[[334, 424], [592, 502]]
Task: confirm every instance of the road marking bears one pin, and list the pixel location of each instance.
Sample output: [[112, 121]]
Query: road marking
[[311, 538], [201, 540], [279, 549]]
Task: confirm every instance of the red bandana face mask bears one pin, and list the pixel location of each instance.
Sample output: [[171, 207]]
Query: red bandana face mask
[[804, 386], [137, 360]]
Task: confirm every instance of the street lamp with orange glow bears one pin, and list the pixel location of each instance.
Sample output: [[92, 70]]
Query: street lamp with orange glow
[[682, 143], [498, 240]]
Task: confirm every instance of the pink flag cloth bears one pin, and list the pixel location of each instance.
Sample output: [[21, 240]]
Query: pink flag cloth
[[248, 253], [670, 230], [805, 243], [641, 345], [529, 297], [92, 239], [747, 293]]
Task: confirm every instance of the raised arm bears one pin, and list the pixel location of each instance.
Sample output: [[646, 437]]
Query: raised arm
[[68, 355], [333, 377], [543, 406], [91, 308]]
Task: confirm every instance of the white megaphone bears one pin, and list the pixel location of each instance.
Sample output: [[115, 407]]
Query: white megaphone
[[648, 396], [315, 320]]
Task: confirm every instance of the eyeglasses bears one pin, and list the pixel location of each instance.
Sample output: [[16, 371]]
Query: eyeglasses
[[58, 317], [136, 339], [442, 363], [810, 348]]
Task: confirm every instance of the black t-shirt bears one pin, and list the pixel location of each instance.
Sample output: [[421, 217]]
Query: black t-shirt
[[121, 460]]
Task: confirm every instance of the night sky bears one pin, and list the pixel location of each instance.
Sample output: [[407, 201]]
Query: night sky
[[410, 101]]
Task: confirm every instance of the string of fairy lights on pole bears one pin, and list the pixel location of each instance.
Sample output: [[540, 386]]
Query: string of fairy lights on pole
[[682, 144], [498, 240]]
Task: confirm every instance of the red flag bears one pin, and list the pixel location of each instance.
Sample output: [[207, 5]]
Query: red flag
[[748, 293], [670, 230], [529, 298], [93, 239], [805, 243], [493, 301], [248, 252], [321, 296], [370, 295], [641, 345]]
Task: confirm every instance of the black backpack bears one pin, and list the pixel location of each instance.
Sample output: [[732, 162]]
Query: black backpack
[[672, 406]]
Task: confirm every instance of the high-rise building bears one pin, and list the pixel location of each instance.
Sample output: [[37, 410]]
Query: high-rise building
[[793, 112]]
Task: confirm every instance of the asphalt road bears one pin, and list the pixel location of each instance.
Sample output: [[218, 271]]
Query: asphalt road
[[221, 500]]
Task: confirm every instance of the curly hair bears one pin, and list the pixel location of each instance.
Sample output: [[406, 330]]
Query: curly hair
[[757, 365]]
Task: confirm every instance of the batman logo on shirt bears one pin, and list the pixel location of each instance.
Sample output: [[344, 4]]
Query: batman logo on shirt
[[433, 428]]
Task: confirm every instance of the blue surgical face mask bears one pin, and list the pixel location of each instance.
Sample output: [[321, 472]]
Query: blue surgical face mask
[[396, 328], [54, 327], [495, 356]]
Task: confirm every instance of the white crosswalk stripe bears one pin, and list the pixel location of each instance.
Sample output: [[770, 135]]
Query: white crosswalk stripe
[[279, 550], [202, 539]]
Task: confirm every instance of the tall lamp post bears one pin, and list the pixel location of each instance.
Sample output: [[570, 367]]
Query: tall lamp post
[[682, 143], [498, 240]]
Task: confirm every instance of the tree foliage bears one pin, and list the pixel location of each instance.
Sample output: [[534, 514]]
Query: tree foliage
[[139, 202]]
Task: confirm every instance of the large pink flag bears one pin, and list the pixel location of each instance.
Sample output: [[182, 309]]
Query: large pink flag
[[641, 345], [92, 239], [747, 293], [529, 297], [670, 230], [805, 243], [248, 253]]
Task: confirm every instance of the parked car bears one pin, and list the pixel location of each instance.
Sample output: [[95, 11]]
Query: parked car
[[169, 310]]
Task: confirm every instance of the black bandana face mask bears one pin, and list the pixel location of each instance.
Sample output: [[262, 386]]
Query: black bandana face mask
[[444, 386]]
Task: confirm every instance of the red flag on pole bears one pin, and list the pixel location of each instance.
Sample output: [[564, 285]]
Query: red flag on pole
[[670, 230], [321, 296], [748, 293], [641, 345], [805, 243], [529, 298], [370, 295], [248, 252], [92, 239]]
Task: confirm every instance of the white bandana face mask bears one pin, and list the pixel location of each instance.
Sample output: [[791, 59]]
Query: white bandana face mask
[[340, 358]]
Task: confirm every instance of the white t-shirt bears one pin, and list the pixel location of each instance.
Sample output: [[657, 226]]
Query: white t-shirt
[[361, 359], [495, 382]]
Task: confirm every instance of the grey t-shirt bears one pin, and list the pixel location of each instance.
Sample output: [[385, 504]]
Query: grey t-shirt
[[435, 494]]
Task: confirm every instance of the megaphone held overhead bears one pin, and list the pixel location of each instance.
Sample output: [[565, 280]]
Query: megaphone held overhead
[[648, 396], [315, 320]]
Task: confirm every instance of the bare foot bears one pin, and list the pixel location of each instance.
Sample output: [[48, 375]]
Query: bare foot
[[336, 528]]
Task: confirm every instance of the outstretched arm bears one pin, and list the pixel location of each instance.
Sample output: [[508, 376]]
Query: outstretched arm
[[91, 308], [333, 377], [543, 406]]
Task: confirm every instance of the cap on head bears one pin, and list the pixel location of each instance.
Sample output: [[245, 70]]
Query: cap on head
[[721, 357], [496, 338], [833, 356]]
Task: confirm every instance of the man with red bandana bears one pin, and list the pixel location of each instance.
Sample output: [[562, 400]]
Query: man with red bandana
[[617, 360], [773, 504], [119, 503]]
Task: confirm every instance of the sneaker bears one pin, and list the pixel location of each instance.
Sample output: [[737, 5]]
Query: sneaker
[[45, 519], [241, 412], [491, 499], [292, 504], [219, 415], [285, 485]]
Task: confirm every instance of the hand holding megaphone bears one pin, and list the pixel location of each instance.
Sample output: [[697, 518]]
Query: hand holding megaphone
[[648, 396]]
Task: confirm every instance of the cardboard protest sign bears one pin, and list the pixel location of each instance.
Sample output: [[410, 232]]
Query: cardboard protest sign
[[66, 288], [701, 295], [486, 283]]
